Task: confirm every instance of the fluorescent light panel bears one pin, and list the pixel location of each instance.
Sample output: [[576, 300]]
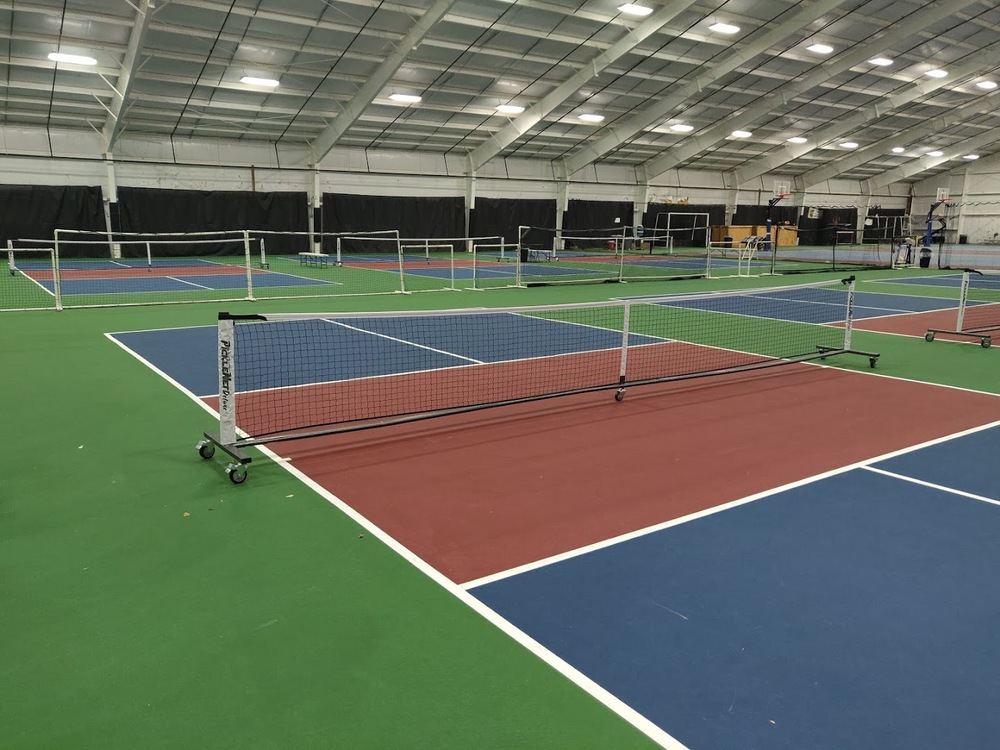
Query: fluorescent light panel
[[724, 28], [509, 109], [679, 127], [937, 73], [822, 49], [971, 157], [635, 10], [254, 81], [798, 139], [62, 57], [405, 98], [986, 85], [935, 154], [898, 150], [741, 134], [848, 144], [880, 61], [592, 118]]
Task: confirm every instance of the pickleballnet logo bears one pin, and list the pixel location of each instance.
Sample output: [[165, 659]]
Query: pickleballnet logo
[[226, 368]]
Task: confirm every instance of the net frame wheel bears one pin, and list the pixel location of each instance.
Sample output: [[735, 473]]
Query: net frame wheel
[[620, 394], [929, 336], [872, 361], [206, 449], [986, 342], [237, 473]]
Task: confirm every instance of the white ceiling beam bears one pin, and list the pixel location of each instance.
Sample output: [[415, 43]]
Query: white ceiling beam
[[545, 106], [130, 64], [925, 163], [641, 119], [844, 125], [933, 126], [860, 53], [326, 140]]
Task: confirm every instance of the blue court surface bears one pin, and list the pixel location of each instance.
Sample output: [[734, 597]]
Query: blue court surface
[[372, 347], [858, 611], [180, 283]]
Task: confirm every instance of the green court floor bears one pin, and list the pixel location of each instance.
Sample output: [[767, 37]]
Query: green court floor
[[149, 603]]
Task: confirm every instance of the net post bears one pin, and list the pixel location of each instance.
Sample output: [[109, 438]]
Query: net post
[[623, 364], [451, 259], [522, 232], [475, 264], [11, 266], [149, 257], [227, 379], [339, 261], [263, 254], [849, 318], [963, 299], [708, 262], [399, 254], [249, 265], [56, 280]]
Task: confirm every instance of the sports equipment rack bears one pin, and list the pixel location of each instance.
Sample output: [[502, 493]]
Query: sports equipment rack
[[285, 376]]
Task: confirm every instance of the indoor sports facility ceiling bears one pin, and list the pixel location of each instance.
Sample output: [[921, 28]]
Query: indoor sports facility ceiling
[[670, 89]]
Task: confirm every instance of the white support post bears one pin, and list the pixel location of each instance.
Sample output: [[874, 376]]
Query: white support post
[[849, 322], [963, 299], [227, 382], [249, 265]]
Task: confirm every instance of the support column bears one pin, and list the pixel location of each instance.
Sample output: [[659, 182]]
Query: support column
[[316, 214], [112, 219], [470, 205]]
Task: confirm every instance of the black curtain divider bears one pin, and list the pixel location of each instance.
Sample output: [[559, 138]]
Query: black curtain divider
[[160, 210], [34, 212], [501, 217], [749, 215], [415, 217], [587, 215]]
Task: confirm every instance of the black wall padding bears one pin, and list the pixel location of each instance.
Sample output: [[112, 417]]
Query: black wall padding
[[500, 217], [158, 210], [35, 211], [747, 215], [414, 217], [582, 214]]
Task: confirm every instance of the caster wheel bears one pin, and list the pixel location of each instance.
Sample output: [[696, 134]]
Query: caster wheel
[[206, 449], [929, 336], [619, 395], [237, 473], [872, 361], [985, 342]]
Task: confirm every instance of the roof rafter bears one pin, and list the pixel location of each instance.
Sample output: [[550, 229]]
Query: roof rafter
[[326, 140], [887, 37], [130, 64], [639, 120], [544, 106]]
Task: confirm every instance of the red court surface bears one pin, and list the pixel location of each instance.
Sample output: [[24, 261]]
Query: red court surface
[[480, 493], [916, 324]]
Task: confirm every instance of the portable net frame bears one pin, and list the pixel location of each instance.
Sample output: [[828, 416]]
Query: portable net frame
[[23, 286], [837, 247], [288, 376], [978, 308], [622, 253]]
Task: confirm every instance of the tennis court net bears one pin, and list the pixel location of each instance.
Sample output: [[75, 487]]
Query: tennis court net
[[978, 308], [284, 376]]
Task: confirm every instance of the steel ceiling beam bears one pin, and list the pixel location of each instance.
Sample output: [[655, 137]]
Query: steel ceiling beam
[[548, 103], [923, 164], [932, 126], [114, 122], [325, 141], [766, 105], [640, 120]]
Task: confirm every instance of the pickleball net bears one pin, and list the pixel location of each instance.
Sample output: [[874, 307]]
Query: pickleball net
[[284, 376], [978, 308]]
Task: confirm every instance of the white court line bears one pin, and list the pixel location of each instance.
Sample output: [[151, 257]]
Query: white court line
[[404, 341], [191, 283], [544, 562], [579, 679], [940, 487]]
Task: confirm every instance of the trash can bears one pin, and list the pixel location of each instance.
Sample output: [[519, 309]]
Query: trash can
[[727, 243], [925, 257], [963, 239], [524, 253]]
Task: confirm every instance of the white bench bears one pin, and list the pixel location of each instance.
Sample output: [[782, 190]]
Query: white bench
[[314, 259]]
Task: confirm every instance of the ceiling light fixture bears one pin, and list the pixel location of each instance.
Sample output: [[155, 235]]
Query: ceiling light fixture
[[509, 109], [680, 127], [822, 49], [898, 150], [935, 153], [937, 73], [404, 98], [724, 28], [986, 85], [971, 157], [798, 139], [848, 144], [635, 10], [880, 61], [592, 118], [253, 81], [61, 57], [741, 134]]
